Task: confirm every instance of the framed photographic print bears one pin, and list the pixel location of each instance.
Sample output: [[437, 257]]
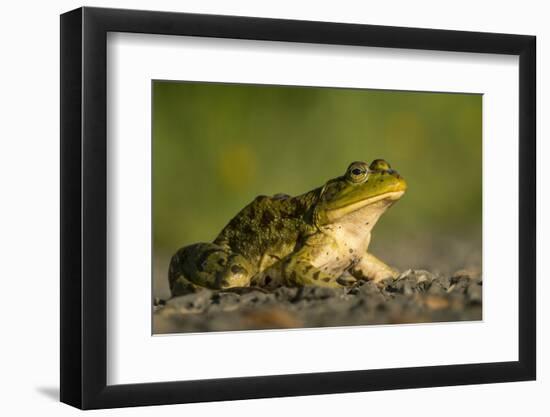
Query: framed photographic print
[[258, 207]]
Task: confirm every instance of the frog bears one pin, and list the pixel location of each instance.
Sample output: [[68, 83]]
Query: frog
[[318, 238]]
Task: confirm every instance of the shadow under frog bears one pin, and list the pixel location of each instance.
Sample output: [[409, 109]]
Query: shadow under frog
[[310, 239]]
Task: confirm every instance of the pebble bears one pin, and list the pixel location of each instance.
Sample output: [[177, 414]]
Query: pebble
[[474, 292]]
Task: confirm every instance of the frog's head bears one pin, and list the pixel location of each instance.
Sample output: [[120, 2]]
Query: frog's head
[[361, 195]]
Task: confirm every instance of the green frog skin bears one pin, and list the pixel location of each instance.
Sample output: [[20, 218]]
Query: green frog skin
[[317, 238]]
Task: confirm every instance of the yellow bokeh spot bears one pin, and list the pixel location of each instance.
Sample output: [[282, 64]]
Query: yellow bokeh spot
[[406, 130], [237, 166]]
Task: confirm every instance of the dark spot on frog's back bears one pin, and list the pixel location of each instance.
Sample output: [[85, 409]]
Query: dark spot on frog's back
[[267, 217], [316, 275], [248, 229], [202, 260]]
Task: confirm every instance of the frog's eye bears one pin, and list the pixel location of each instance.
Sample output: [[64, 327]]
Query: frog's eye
[[358, 173]]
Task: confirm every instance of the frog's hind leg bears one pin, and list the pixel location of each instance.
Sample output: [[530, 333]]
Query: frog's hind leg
[[296, 271], [181, 285], [206, 265]]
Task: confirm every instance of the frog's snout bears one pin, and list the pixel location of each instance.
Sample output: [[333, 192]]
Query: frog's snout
[[401, 181], [399, 177], [401, 184]]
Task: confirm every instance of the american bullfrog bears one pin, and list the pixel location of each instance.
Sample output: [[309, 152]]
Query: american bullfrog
[[317, 238]]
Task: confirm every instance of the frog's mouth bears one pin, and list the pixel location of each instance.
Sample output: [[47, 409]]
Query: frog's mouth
[[388, 198]]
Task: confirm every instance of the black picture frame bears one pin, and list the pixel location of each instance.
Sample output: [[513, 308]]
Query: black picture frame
[[84, 207]]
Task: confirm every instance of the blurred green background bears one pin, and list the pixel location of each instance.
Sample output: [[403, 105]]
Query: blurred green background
[[217, 146]]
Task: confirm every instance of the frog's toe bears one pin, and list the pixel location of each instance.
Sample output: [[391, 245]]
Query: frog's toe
[[237, 274], [346, 280]]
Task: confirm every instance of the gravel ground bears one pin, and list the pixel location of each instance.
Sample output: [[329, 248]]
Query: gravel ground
[[416, 296]]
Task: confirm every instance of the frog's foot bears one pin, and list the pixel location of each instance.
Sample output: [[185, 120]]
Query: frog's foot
[[207, 265], [372, 268]]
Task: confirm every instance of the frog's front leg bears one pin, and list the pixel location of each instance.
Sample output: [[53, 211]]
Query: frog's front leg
[[370, 267]]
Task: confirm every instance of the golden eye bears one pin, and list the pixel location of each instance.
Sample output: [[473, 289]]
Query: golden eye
[[358, 173]]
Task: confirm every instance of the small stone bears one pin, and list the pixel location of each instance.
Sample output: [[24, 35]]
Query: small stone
[[436, 303], [459, 283], [286, 293], [437, 288], [226, 300], [319, 293], [368, 288], [195, 303], [424, 276], [405, 274], [474, 293], [407, 288], [159, 302], [254, 297]]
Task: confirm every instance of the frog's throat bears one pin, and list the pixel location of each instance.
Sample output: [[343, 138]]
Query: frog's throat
[[338, 212]]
